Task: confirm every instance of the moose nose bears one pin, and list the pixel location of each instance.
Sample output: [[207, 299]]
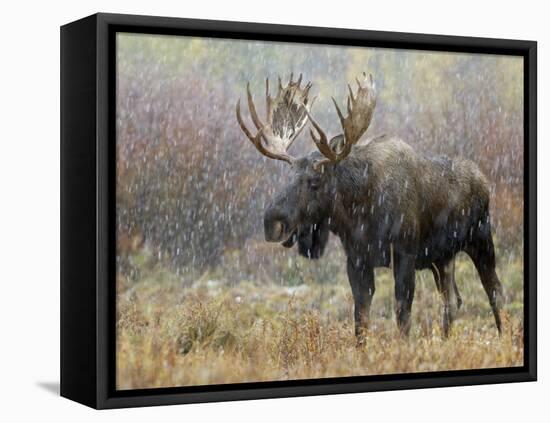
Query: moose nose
[[274, 231], [275, 225]]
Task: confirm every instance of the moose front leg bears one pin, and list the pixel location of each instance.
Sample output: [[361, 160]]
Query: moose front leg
[[403, 272], [361, 279]]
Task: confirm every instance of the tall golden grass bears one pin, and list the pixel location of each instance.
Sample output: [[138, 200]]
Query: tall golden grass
[[181, 331]]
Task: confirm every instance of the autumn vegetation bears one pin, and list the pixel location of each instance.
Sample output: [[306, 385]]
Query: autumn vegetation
[[174, 331]]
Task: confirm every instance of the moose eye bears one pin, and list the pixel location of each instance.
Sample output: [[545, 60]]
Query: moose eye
[[314, 183]]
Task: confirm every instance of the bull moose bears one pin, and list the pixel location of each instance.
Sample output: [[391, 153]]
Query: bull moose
[[390, 205]]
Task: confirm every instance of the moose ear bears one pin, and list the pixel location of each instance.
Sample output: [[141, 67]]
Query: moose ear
[[312, 239], [337, 143]]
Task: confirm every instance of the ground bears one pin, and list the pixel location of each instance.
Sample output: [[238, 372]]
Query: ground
[[175, 330]]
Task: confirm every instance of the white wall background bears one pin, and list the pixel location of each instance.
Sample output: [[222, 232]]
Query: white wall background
[[29, 212]]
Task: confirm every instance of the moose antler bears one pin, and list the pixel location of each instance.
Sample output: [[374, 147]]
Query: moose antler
[[286, 116], [360, 110]]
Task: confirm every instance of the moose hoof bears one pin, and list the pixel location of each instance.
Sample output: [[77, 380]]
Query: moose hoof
[[360, 337]]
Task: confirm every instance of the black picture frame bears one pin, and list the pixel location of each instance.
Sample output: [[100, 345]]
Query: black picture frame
[[88, 201]]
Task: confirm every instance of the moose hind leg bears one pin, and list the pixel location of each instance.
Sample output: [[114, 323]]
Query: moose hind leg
[[445, 280], [457, 294], [404, 274], [482, 253], [361, 279]]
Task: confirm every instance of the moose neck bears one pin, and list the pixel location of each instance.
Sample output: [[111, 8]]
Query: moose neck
[[351, 192]]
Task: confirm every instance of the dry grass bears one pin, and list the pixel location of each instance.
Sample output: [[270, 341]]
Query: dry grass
[[174, 331]]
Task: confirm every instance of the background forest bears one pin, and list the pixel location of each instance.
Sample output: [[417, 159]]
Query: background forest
[[203, 299]]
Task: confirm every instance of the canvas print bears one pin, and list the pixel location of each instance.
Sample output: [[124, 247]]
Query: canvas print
[[291, 211]]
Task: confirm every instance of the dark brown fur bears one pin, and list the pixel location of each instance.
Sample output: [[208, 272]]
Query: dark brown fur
[[391, 206]]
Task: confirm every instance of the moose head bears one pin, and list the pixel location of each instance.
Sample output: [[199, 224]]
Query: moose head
[[300, 212]]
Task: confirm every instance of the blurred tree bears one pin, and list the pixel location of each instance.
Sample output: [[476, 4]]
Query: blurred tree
[[190, 183]]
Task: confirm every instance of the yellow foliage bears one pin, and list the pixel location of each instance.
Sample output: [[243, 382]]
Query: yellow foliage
[[174, 333]]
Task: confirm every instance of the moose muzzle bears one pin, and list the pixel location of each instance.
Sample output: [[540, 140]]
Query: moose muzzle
[[278, 229]]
